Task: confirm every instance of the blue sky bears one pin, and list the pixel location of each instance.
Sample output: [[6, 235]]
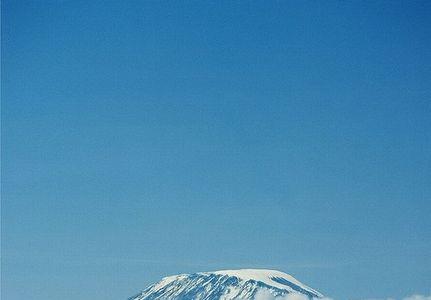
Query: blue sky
[[148, 138]]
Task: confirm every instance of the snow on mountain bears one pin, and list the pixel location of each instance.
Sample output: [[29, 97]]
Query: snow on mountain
[[225, 285]]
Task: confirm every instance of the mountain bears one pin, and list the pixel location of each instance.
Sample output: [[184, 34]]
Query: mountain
[[242, 284]]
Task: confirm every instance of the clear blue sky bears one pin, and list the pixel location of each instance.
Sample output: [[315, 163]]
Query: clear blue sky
[[148, 138]]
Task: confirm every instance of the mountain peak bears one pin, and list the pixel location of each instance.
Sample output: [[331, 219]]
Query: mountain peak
[[241, 284]]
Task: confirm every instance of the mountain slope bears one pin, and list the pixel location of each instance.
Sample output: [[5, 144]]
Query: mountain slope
[[225, 285]]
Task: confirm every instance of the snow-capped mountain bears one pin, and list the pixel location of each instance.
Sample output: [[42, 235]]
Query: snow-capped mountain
[[225, 285]]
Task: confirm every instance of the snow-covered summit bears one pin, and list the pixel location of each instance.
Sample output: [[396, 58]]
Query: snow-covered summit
[[270, 277], [241, 284]]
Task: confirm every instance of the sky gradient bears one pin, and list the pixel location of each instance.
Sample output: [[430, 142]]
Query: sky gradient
[[147, 138]]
